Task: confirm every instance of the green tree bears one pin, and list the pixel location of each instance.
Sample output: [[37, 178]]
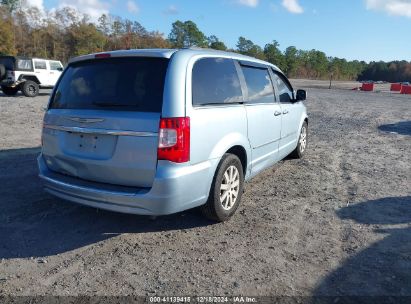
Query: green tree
[[66, 16], [66, 32], [85, 39], [11, 5], [139, 30], [177, 34], [154, 40], [274, 55], [247, 47], [216, 44], [291, 63], [104, 24], [117, 30], [6, 36], [186, 34], [318, 64]]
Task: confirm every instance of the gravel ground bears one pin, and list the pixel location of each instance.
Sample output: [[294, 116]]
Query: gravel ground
[[337, 222]]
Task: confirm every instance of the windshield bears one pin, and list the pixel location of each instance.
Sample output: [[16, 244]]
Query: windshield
[[125, 84]]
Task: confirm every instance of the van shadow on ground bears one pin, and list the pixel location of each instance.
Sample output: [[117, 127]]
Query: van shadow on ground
[[384, 268], [35, 224], [402, 127]]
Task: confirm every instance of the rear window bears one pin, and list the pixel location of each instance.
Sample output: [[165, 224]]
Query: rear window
[[125, 84], [24, 64], [215, 81]]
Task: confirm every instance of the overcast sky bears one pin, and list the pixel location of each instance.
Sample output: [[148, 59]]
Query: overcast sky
[[353, 29]]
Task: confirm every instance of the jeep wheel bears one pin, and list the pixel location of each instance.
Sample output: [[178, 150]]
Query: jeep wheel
[[226, 189], [9, 91], [30, 88]]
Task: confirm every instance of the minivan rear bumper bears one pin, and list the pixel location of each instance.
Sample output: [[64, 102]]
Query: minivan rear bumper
[[176, 187]]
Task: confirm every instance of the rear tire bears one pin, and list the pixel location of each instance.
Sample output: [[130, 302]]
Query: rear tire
[[30, 88], [302, 142], [226, 189], [9, 91]]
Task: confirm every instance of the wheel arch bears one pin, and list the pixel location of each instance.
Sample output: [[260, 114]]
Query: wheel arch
[[241, 153], [304, 118], [237, 144], [29, 77]]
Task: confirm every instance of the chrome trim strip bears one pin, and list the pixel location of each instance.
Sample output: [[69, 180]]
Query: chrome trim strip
[[86, 120], [100, 131]]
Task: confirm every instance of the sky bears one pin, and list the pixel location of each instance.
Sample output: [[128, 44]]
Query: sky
[[368, 30]]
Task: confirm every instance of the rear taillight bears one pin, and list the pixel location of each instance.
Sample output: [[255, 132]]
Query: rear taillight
[[174, 139]]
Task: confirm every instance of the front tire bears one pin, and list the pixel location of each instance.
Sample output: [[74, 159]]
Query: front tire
[[30, 88], [302, 142], [9, 91], [226, 189]]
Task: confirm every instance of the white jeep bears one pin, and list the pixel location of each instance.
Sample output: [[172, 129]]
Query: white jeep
[[28, 74]]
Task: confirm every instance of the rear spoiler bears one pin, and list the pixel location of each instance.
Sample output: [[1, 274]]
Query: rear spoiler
[[160, 53]]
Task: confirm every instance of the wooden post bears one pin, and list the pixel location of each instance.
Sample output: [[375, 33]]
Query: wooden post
[[331, 78]]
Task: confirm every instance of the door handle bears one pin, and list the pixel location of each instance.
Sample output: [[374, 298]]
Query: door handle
[[285, 112], [276, 113]]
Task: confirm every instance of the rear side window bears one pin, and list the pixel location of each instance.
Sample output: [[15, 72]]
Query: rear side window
[[215, 81], [258, 81], [40, 64], [124, 84], [24, 64], [284, 90]]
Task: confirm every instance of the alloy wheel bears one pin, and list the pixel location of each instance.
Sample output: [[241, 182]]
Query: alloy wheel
[[303, 139], [230, 187]]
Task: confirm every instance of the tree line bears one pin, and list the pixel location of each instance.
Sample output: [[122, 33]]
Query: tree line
[[65, 33]]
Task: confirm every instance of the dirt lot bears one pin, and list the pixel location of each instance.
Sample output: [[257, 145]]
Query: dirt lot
[[337, 222]]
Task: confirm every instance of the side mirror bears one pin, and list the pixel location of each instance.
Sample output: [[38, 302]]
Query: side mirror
[[301, 95], [60, 69]]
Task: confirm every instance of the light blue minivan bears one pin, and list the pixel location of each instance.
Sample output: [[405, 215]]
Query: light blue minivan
[[159, 131]]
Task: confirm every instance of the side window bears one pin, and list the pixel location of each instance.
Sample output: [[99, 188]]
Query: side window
[[215, 81], [258, 81], [284, 91], [55, 65], [24, 65], [40, 64]]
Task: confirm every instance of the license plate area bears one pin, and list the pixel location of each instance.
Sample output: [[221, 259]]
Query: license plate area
[[86, 142], [95, 146]]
